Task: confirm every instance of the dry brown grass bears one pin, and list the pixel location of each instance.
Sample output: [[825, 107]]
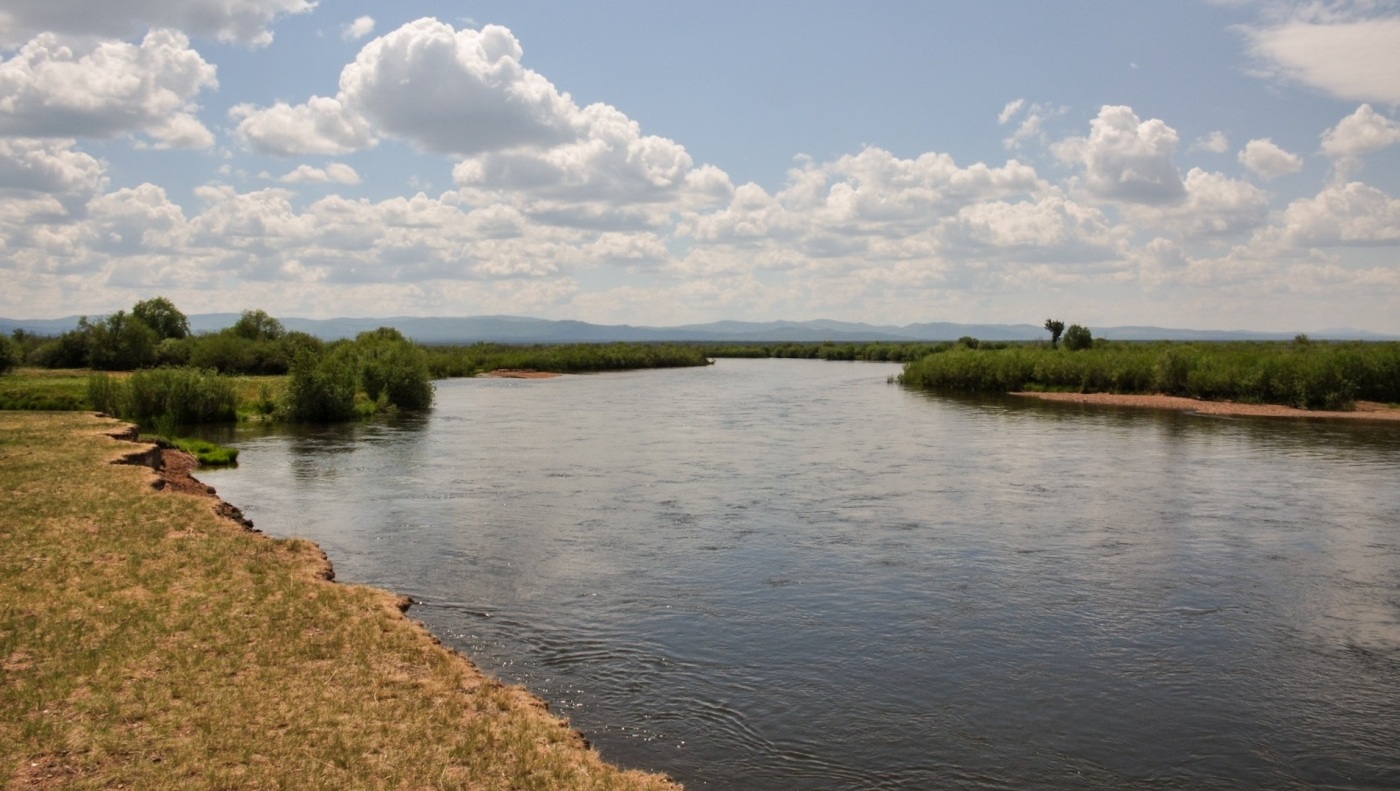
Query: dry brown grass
[[148, 643]]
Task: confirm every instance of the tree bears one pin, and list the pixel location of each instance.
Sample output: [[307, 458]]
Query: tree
[[1077, 337], [1055, 327], [394, 367], [120, 342], [256, 325], [161, 315], [9, 354], [321, 388]]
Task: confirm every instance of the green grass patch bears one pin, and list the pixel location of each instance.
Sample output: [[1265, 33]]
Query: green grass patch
[[60, 390], [209, 454]]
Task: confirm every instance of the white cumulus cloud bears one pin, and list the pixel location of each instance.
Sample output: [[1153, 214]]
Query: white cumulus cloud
[[321, 125], [1363, 132], [361, 27], [1215, 143], [1126, 159], [519, 141], [456, 91], [51, 88], [1346, 214], [334, 173], [48, 166], [1267, 160], [242, 21]]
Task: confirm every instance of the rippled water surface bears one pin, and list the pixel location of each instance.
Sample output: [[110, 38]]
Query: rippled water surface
[[792, 575]]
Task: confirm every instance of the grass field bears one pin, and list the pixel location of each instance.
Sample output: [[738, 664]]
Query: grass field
[[148, 643], [61, 389]]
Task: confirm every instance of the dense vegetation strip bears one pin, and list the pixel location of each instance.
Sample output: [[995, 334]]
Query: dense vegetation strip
[[1309, 375], [873, 351], [455, 361], [148, 643]]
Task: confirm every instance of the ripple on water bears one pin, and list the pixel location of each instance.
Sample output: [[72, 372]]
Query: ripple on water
[[790, 575]]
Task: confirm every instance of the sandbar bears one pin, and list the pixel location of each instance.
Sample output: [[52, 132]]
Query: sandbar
[[1365, 410]]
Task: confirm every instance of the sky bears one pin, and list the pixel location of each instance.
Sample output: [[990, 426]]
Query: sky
[[1213, 164]]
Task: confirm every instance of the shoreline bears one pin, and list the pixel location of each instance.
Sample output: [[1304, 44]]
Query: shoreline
[[239, 660], [519, 373], [1365, 410], [175, 473]]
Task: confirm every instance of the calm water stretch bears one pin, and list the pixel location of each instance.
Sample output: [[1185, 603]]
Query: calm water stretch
[[790, 575]]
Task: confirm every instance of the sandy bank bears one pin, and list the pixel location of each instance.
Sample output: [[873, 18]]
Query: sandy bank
[[1365, 410]]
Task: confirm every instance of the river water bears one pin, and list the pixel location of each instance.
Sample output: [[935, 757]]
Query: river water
[[783, 574]]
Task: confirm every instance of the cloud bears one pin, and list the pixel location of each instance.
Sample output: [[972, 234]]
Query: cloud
[[1346, 214], [1032, 126], [320, 126], [1214, 206], [334, 173], [1010, 110], [361, 27], [1051, 229], [1126, 159], [1214, 143], [51, 88], [1266, 160], [518, 140], [241, 21], [54, 169], [457, 92], [1363, 132], [1334, 48], [453, 92]]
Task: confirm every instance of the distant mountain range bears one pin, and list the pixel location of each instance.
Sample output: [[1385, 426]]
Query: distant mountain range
[[522, 330]]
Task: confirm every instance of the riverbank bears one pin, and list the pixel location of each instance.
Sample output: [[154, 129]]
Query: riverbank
[[519, 373], [148, 639], [1365, 410]]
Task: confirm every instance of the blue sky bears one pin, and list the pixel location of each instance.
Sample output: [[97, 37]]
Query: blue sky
[[1226, 164]]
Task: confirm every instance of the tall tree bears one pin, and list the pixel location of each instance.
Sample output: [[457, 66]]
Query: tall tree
[[161, 315], [1056, 328], [256, 325]]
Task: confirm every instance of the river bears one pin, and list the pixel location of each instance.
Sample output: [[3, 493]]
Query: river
[[786, 574]]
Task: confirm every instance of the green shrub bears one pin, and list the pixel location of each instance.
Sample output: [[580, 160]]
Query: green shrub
[[321, 388], [9, 354], [394, 368], [1078, 338]]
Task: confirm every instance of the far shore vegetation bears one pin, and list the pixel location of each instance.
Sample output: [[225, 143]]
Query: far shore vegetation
[[145, 365], [1303, 373], [147, 642]]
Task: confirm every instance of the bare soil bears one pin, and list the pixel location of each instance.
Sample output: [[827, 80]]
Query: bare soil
[[1365, 410]]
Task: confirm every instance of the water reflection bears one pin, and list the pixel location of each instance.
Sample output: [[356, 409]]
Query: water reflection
[[787, 574]]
